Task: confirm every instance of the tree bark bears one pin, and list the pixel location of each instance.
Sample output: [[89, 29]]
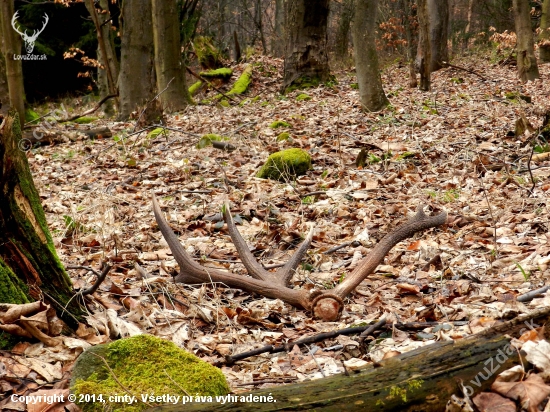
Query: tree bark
[[344, 25], [527, 62], [277, 41], [406, 8], [14, 68], [423, 55], [371, 92], [421, 380], [544, 39], [136, 79], [306, 58], [439, 32], [4, 92], [168, 63], [29, 267], [107, 74]]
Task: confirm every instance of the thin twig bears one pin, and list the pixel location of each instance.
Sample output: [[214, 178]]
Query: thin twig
[[87, 112], [151, 101], [210, 84], [117, 381]]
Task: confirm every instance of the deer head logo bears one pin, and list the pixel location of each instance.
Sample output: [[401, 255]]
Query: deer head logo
[[29, 40]]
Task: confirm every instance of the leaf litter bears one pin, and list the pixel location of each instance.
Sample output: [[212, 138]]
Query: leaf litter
[[453, 148]]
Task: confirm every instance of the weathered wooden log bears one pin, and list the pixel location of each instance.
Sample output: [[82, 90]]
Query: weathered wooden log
[[420, 380]]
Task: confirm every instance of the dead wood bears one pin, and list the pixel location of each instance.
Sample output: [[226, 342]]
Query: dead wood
[[421, 380], [326, 305]]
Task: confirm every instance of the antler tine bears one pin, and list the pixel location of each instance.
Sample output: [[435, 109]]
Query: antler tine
[[182, 257], [287, 271], [249, 261]]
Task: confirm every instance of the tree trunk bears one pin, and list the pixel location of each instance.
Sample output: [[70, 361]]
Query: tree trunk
[[107, 74], [421, 380], [371, 92], [423, 55], [168, 63], [527, 62], [136, 79], [4, 92], [277, 41], [439, 32], [344, 25], [306, 60], [470, 14], [544, 43], [14, 68], [29, 267], [406, 7]]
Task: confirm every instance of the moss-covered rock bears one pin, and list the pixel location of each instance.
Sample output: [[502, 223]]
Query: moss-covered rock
[[279, 123], [142, 364], [303, 96], [222, 73], [285, 165]]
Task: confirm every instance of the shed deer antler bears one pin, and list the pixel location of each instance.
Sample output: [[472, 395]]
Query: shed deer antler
[[326, 305]]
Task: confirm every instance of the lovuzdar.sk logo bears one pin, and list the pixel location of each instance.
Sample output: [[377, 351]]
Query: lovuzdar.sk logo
[[28, 39]]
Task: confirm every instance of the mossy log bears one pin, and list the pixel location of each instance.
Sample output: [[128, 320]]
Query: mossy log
[[420, 380], [30, 269]]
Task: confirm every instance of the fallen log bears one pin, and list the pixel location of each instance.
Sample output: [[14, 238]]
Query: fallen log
[[420, 380]]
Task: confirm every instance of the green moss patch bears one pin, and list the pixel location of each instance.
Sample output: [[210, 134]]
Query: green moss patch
[[85, 120], [207, 139], [241, 85], [222, 73], [144, 365], [283, 137], [30, 115], [279, 123], [303, 96], [285, 165], [194, 88], [207, 54]]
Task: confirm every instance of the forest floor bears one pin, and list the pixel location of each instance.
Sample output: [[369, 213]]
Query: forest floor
[[453, 148]]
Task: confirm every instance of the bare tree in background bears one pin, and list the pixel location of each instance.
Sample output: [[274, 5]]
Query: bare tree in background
[[136, 79], [527, 62], [544, 38], [170, 73], [423, 56], [371, 92]]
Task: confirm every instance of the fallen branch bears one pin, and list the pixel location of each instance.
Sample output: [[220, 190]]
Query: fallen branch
[[447, 64], [97, 106]]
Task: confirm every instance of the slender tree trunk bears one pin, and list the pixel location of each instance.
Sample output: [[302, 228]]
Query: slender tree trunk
[[544, 39], [439, 27], [14, 68], [136, 79], [168, 62], [4, 92], [306, 60], [277, 41], [371, 92], [527, 62], [423, 55], [406, 7], [470, 13], [29, 267], [260, 24], [344, 25], [107, 74]]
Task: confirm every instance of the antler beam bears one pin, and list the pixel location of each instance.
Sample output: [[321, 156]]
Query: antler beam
[[326, 305]]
